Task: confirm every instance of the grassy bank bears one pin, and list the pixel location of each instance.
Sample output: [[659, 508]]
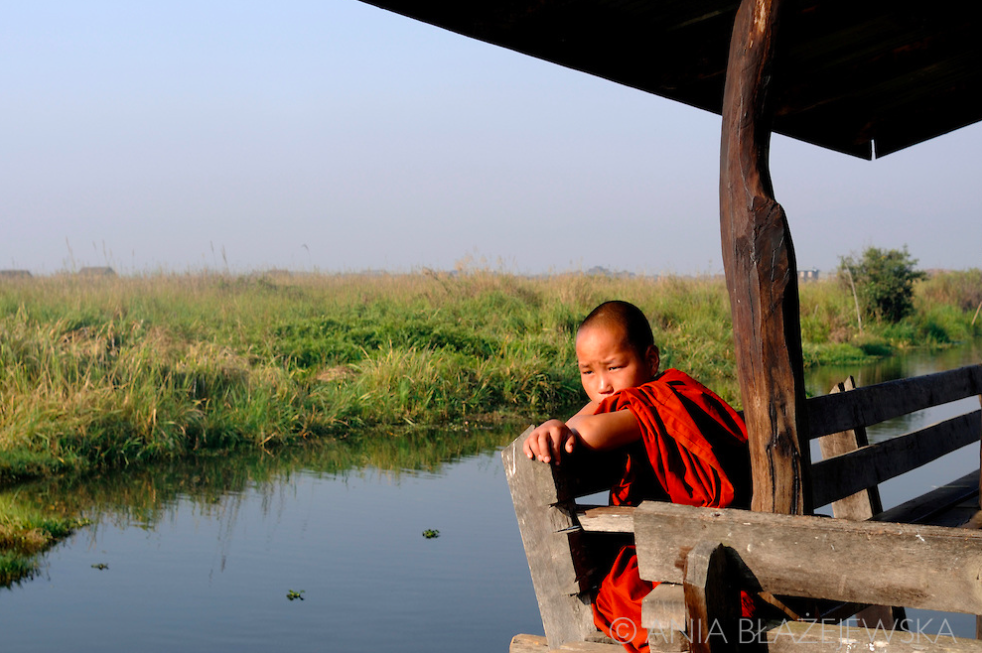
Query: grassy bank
[[98, 373], [24, 533]]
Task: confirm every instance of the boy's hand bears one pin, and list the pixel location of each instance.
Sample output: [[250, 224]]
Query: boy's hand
[[547, 442]]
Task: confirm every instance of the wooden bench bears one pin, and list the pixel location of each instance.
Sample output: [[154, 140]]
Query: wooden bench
[[912, 555]]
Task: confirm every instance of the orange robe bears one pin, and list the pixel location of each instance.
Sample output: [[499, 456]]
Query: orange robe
[[693, 451]]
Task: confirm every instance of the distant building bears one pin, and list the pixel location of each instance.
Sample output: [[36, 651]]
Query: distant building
[[808, 275], [97, 272], [15, 274]]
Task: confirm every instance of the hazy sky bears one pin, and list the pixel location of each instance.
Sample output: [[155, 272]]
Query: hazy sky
[[331, 135]]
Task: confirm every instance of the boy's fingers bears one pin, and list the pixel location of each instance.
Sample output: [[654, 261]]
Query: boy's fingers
[[544, 446]]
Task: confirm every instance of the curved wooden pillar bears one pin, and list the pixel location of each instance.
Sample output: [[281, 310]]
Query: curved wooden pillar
[[761, 275]]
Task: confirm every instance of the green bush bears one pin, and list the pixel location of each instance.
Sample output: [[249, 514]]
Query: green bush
[[884, 281]]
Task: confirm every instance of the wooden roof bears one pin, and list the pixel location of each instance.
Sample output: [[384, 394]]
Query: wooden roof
[[852, 72]]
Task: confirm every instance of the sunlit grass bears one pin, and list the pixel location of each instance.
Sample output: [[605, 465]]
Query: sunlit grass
[[25, 532], [391, 371], [102, 372]]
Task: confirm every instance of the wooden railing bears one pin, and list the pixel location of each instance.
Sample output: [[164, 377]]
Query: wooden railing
[[863, 556]]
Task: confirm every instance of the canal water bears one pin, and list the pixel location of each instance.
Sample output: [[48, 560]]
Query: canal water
[[201, 556]]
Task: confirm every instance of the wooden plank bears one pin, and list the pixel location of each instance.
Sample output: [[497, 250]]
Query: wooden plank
[[712, 598], [930, 567], [924, 508], [538, 644], [761, 274], [877, 403], [858, 507], [552, 540], [606, 519], [865, 503], [794, 637], [663, 615], [847, 474], [664, 608]]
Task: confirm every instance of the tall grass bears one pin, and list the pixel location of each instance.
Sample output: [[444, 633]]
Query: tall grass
[[102, 372], [390, 370]]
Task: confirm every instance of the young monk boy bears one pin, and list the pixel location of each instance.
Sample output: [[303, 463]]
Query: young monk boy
[[684, 444]]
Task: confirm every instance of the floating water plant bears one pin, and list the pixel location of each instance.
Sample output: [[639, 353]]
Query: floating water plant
[[293, 595], [100, 566], [431, 533]]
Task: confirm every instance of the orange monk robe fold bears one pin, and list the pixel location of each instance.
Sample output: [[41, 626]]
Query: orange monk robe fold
[[693, 451]]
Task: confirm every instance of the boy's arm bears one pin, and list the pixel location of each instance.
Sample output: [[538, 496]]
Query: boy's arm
[[598, 432]]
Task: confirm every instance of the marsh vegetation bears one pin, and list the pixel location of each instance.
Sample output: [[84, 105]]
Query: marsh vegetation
[[386, 370]]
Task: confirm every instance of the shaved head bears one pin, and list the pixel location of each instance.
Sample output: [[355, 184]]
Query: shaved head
[[625, 316]]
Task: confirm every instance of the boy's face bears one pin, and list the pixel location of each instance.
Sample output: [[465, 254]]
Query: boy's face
[[609, 363]]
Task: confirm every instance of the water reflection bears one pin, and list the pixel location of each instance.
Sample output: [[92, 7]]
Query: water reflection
[[201, 555], [140, 496]]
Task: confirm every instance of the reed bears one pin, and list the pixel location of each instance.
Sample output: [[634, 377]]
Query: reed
[[394, 371], [101, 372]]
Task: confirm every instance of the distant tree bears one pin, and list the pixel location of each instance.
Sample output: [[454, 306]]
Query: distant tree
[[883, 281]]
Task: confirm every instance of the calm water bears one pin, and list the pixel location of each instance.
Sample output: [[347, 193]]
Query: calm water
[[201, 556], [200, 573]]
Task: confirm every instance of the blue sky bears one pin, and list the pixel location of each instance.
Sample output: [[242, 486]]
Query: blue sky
[[335, 136]]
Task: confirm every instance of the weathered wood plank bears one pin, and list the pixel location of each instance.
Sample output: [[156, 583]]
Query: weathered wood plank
[[924, 508], [858, 507], [551, 538], [863, 504], [664, 608], [538, 644], [794, 637], [930, 567], [866, 467], [761, 275], [877, 403], [712, 598], [606, 519]]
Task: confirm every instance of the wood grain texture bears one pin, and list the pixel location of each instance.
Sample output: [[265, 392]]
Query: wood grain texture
[[857, 507], [877, 403], [849, 473], [861, 505], [538, 644], [664, 608], [761, 274], [712, 599], [929, 566], [552, 541], [606, 519], [795, 637]]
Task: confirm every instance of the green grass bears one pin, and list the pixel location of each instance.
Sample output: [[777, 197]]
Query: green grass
[[96, 374], [25, 532]]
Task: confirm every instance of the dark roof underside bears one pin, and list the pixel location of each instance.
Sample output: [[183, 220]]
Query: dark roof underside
[[849, 72]]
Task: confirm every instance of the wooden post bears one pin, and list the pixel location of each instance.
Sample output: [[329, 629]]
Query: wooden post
[[865, 503], [551, 538], [859, 507], [712, 600], [761, 275]]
